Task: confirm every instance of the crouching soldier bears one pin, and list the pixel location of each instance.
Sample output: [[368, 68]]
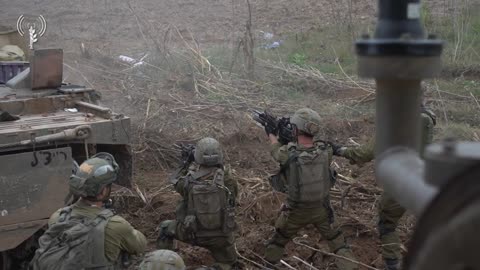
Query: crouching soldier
[[305, 168], [86, 235], [205, 216]]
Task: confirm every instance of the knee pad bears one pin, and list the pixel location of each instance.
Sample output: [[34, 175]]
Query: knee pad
[[384, 228], [167, 229]]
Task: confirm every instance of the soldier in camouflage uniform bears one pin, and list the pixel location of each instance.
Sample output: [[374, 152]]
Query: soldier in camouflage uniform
[[162, 260], [389, 210], [107, 235], [205, 215], [307, 179]]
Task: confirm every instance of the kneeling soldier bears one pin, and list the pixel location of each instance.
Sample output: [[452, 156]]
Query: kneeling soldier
[[205, 216], [86, 235]]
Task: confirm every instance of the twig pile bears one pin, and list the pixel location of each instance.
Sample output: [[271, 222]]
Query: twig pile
[[180, 96]]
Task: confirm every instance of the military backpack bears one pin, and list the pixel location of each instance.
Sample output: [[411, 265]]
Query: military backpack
[[210, 209], [308, 175], [74, 243]]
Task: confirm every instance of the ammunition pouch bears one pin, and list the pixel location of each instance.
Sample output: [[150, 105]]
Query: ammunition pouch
[[190, 224], [229, 224], [385, 228]]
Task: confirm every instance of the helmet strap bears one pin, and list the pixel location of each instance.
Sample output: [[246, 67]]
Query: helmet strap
[[102, 196], [105, 193]]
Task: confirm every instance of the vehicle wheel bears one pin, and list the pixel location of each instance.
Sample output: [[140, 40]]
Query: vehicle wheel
[[5, 261]]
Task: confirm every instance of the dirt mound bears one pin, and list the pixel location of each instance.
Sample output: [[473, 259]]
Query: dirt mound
[[171, 101], [354, 199]]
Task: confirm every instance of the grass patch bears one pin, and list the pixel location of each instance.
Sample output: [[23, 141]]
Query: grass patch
[[461, 31], [459, 131], [322, 49]]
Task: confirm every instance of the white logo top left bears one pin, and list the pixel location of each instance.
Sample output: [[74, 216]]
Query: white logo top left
[[34, 26]]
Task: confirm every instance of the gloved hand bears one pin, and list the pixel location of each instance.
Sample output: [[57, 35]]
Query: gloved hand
[[284, 207], [270, 130], [191, 157], [432, 115], [338, 149], [188, 154]]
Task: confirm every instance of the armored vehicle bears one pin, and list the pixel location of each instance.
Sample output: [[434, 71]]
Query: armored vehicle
[[46, 126]]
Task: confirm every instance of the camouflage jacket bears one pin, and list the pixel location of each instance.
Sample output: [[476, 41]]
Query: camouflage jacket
[[365, 153], [119, 234]]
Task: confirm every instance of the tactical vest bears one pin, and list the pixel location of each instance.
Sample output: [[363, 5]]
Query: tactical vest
[[209, 205], [308, 176], [73, 243]]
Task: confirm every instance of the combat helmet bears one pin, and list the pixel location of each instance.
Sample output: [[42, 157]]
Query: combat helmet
[[93, 175], [307, 121], [208, 152], [162, 260]]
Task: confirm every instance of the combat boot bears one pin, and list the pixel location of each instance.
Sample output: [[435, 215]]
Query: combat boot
[[343, 264], [392, 264], [167, 235], [273, 253], [338, 245]]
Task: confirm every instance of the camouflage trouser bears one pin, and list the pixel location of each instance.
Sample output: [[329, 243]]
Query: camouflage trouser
[[292, 220], [390, 213], [221, 247]]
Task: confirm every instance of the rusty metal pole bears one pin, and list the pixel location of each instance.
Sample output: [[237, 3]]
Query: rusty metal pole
[[399, 56]]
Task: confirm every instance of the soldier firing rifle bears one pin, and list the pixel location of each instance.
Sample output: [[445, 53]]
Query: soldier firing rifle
[[283, 128], [278, 126], [186, 158]]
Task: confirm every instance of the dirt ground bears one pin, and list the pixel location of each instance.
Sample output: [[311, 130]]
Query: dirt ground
[[130, 27]]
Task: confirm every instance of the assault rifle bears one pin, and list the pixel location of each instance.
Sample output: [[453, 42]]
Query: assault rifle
[[186, 158], [280, 127]]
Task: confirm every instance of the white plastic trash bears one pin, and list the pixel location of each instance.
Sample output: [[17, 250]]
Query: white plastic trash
[[273, 45], [127, 59], [267, 35], [72, 110]]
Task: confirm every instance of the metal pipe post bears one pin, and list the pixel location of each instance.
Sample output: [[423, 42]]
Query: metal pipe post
[[399, 57], [405, 170], [398, 108]]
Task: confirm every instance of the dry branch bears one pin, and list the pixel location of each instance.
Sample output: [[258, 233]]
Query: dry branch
[[296, 241], [304, 262]]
